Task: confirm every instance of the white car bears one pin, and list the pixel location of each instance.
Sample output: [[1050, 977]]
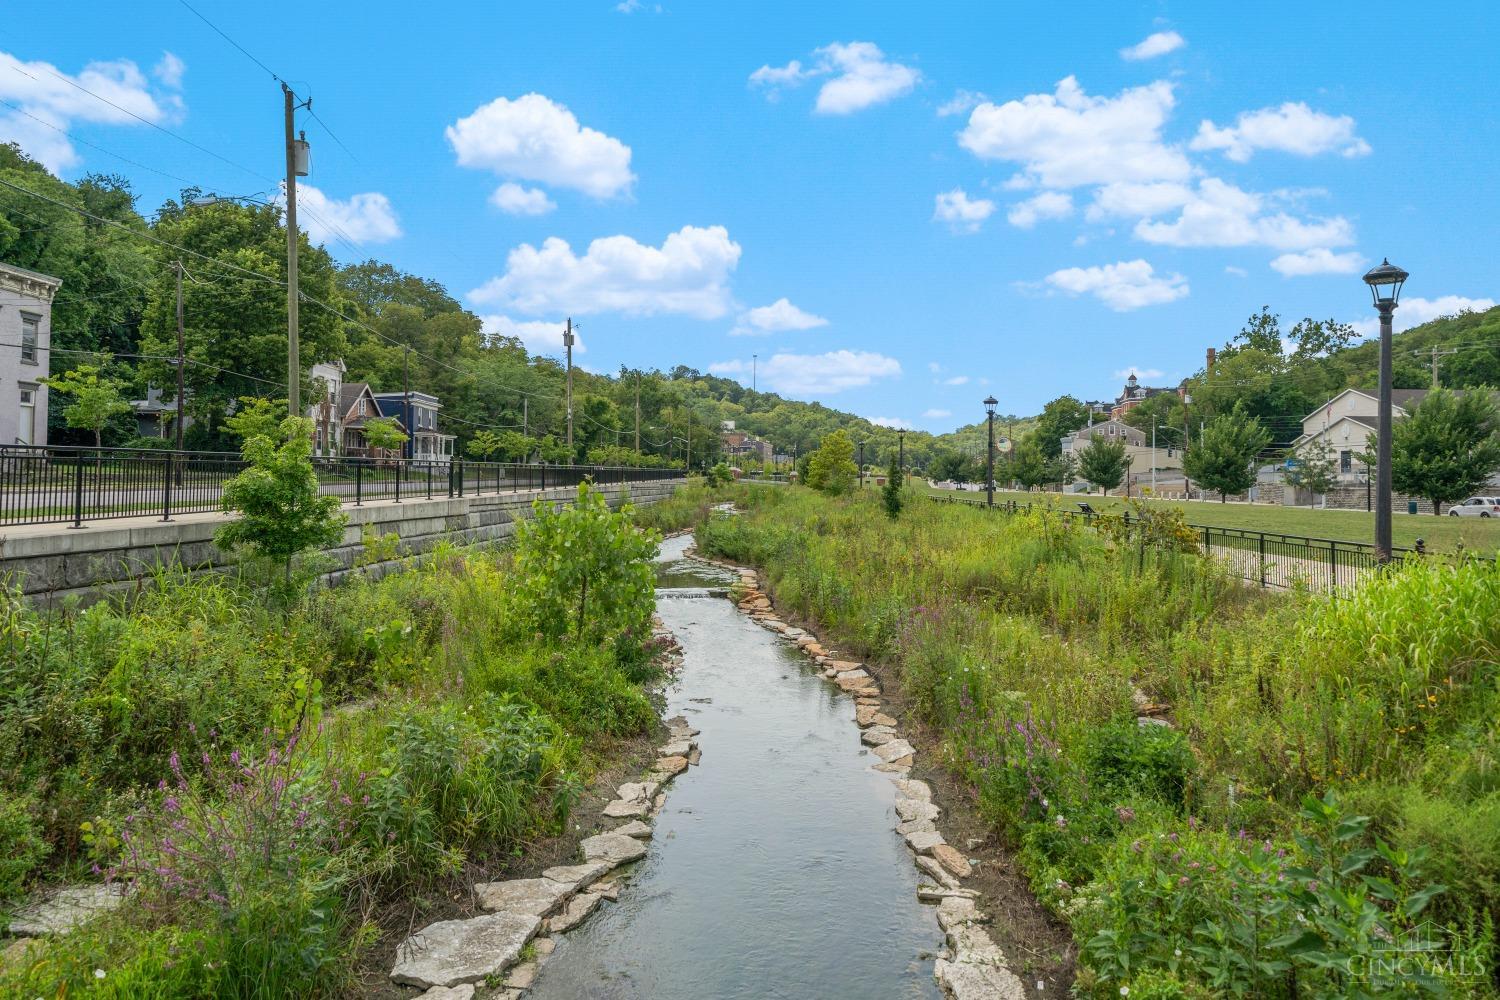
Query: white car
[[1477, 507]]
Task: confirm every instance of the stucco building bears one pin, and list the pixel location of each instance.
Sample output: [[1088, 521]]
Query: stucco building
[[25, 353]]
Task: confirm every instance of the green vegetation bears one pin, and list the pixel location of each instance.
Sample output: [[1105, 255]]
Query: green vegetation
[[1291, 825], [385, 434], [1103, 463], [96, 399], [269, 779], [893, 493], [1224, 457], [1446, 448], [831, 468]]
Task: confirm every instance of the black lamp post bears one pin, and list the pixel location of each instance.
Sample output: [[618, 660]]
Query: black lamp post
[[901, 460], [1385, 284], [861, 465], [990, 403]]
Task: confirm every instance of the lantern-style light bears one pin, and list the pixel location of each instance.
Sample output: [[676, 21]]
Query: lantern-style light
[[989, 405], [1385, 283]]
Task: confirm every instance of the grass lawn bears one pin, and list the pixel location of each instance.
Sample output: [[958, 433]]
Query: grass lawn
[[1442, 534]]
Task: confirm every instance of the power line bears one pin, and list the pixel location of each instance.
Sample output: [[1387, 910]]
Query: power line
[[221, 33]]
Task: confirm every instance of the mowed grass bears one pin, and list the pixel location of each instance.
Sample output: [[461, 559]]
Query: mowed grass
[[1441, 534]]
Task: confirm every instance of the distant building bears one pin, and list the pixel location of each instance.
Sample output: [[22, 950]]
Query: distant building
[[357, 406], [417, 412], [1347, 422], [26, 336], [738, 444], [1133, 395], [1141, 456], [327, 378], [156, 417]]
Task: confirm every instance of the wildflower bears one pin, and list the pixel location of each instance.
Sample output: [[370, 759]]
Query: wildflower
[[1125, 815], [1177, 952], [1124, 991], [98, 973]]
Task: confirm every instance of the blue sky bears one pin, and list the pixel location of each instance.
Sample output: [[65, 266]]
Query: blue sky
[[898, 207]]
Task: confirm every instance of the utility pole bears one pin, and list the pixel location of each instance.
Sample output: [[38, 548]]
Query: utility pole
[[637, 413], [1435, 355], [296, 166], [568, 343], [901, 460], [754, 362], [525, 416], [406, 402], [1153, 454], [180, 362]]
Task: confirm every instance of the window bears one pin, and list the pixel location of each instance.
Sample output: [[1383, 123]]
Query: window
[[1346, 462], [31, 327]]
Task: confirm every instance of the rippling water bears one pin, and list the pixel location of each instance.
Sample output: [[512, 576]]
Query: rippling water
[[775, 871]]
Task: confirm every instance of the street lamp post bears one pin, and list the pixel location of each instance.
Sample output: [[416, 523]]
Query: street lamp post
[[901, 460], [990, 403], [1385, 284], [861, 465]]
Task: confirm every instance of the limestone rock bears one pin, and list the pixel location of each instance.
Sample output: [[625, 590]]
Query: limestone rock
[[910, 809], [579, 908], [635, 828], [970, 981], [901, 765], [878, 736], [885, 720], [936, 872], [580, 876], [915, 826], [974, 945], [543, 946], [671, 765], [454, 952], [65, 909], [621, 808], [953, 860], [637, 791], [914, 790], [893, 750], [956, 911], [938, 893], [609, 890], [522, 976], [613, 849], [694, 757], [924, 841], [677, 748], [461, 992], [535, 896]]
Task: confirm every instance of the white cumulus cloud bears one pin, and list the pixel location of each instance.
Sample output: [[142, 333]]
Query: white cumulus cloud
[[533, 138], [49, 103], [539, 336], [962, 102], [1129, 200], [1047, 205], [514, 199], [1416, 311], [894, 423], [360, 218], [1129, 284], [687, 275], [1067, 138], [936, 414], [962, 213], [1158, 44], [857, 75], [1222, 215], [1319, 260], [778, 317], [816, 374], [956, 380], [1291, 128]]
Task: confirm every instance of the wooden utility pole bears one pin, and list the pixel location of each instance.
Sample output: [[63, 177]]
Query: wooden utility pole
[[181, 364], [638, 412], [411, 441], [293, 361], [525, 416], [1435, 355], [568, 343]]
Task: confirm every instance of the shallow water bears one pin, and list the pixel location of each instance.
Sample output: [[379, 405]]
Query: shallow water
[[775, 871]]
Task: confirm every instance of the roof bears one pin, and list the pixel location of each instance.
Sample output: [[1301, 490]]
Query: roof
[[27, 275]]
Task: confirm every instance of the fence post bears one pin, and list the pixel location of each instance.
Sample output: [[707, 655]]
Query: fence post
[[1206, 549], [460, 465], [1262, 559], [166, 489], [78, 489], [1333, 564], [359, 476], [399, 463]]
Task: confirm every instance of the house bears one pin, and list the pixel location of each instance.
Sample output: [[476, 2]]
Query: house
[[1138, 451], [1346, 424], [327, 378], [737, 444], [26, 336], [1133, 395], [418, 413], [356, 406], [156, 417]]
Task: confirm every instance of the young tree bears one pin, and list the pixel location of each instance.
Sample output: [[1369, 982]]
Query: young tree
[[281, 511], [255, 416], [96, 399], [384, 433], [1313, 468], [892, 495], [1030, 466], [484, 445], [1447, 447], [1103, 463], [1225, 458], [831, 468]]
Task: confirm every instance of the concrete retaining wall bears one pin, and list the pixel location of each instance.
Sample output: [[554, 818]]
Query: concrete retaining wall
[[52, 562]]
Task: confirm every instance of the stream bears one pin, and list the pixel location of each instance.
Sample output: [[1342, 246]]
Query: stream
[[775, 870]]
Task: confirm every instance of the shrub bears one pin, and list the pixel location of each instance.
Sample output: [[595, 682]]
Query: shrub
[[1125, 760], [22, 848]]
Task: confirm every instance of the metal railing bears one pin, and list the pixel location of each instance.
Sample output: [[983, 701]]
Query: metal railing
[[1264, 557], [47, 484]]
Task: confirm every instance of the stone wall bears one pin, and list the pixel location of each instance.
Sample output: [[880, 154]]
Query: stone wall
[[52, 562]]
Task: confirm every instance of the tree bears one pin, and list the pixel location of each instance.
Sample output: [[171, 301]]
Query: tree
[[1447, 446], [96, 398], [385, 434], [892, 495], [281, 511], [1059, 418], [1103, 463], [831, 468], [1029, 466], [1313, 467], [1225, 458], [255, 416]]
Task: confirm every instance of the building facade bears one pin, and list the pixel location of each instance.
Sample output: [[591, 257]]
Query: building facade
[[26, 336], [417, 412], [1345, 425], [1142, 458], [327, 378], [1133, 395]]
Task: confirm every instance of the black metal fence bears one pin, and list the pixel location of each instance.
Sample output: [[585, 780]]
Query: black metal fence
[[43, 484], [1266, 558]]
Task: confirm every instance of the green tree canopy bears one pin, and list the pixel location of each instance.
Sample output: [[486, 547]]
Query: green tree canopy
[[1225, 458], [831, 468], [1103, 463], [96, 398], [1446, 448]]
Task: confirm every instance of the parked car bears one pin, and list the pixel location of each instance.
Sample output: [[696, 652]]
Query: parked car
[[1477, 507]]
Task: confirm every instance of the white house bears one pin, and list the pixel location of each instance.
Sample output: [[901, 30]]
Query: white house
[[1141, 456], [1346, 424], [25, 352], [327, 378]]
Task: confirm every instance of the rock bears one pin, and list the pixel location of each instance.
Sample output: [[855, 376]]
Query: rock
[[950, 858], [620, 808], [544, 946], [612, 849], [901, 766], [858, 682], [522, 976], [535, 896], [635, 828], [894, 750], [970, 981], [22, 952], [877, 736], [915, 826], [671, 765], [918, 790], [923, 842], [579, 876], [813, 649], [866, 700], [957, 910], [864, 715], [841, 666], [795, 633], [453, 952], [871, 691], [885, 720], [695, 756], [608, 890], [938, 893], [910, 809], [936, 872], [973, 945], [637, 791], [464, 991], [679, 728], [65, 909], [677, 748], [579, 908]]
